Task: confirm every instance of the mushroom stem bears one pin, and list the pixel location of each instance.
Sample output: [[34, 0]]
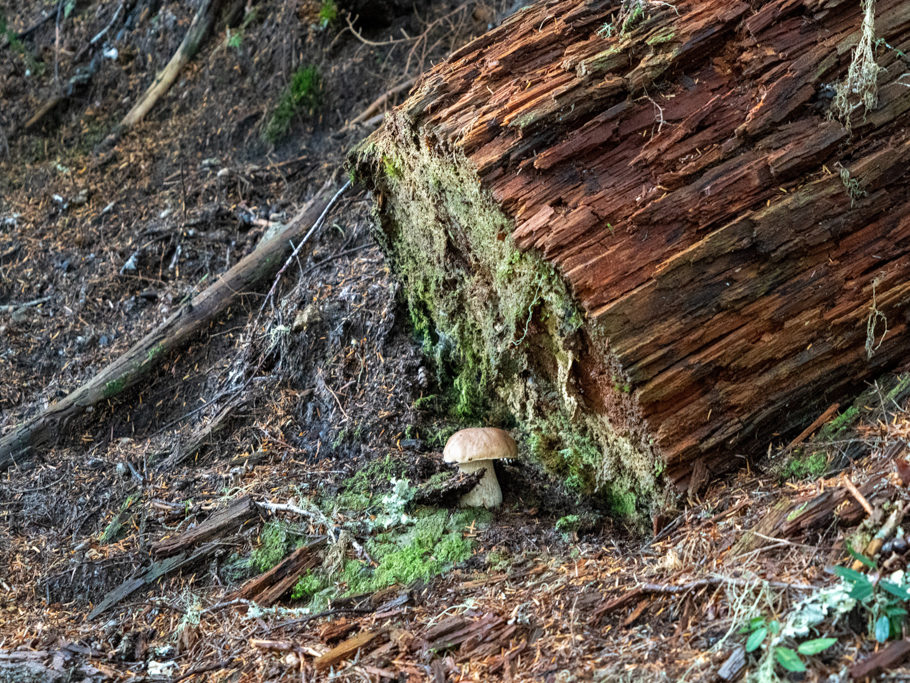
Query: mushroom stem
[[487, 493]]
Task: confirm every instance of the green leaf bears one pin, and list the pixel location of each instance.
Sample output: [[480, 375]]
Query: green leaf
[[813, 647], [850, 575], [774, 627], [882, 629], [895, 590], [869, 562], [68, 8], [861, 591], [788, 659], [756, 639], [752, 624]]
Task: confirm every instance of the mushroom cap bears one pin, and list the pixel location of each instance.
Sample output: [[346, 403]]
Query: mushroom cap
[[479, 443]]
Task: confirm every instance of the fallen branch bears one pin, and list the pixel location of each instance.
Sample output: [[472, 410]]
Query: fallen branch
[[647, 588], [883, 660], [6, 308], [147, 353], [380, 101], [158, 569], [266, 589], [199, 27], [226, 520]]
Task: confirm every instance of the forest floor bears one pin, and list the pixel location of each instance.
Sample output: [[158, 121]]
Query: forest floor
[[300, 431]]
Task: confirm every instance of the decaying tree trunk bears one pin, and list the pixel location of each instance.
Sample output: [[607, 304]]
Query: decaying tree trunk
[[738, 247]]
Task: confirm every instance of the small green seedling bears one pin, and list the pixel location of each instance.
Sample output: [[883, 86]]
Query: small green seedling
[[882, 600], [765, 633]]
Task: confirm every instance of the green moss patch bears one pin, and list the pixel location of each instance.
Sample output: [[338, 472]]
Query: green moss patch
[[806, 466], [303, 93], [429, 543], [275, 541]]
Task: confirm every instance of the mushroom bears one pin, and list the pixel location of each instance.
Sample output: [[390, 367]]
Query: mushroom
[[476, 449]]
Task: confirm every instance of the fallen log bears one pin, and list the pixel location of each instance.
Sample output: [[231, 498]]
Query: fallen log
[[172, 333], [646, 232]]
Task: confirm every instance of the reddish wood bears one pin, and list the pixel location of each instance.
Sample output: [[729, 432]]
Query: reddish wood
[[229, 519], [888, 658], [688, 190], [267, 588], [348, 648]]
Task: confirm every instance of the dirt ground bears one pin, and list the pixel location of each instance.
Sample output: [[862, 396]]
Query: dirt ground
[[288, 400]]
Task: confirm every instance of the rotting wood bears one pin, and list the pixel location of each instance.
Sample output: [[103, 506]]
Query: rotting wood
[[733, 666], [684, 179], [448, 490], [171, 334], [267, 588], [202, 435], [887, 658], [346, 649], [229, 519], [811, 429], [792, 516], [157, 570]]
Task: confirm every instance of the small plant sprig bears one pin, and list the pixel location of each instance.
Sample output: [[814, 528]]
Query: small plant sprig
[[882, 600], [768, 633]]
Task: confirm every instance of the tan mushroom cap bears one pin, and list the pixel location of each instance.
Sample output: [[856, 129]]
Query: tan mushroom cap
[[479, 443]]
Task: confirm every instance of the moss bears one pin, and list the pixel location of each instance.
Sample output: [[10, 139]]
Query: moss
[[900, 386], [498, 560], [634, 17], [307, 586], [498, 323], [839, 423], [328, 13], [797, 512], [424, 401], [304, 91], [357, 492], [622, 500], [568, 524], [808, 466], [154, 352], [275, 542], [664, 35], [114, 387], [434, 543]]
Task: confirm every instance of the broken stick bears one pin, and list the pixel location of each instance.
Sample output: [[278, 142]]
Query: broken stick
[[148, 352]]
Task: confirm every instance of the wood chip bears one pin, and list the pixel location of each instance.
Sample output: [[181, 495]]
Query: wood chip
[[346, 649]]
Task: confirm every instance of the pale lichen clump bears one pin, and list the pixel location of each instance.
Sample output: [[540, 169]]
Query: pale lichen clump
[[860, 87], [499, 322]]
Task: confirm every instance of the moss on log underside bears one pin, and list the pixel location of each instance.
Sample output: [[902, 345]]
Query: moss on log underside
[[648, 235]]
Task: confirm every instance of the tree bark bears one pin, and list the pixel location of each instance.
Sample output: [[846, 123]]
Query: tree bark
[[738, 248]]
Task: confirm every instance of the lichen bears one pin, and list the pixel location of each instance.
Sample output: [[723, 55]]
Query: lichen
[[499, 322]]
